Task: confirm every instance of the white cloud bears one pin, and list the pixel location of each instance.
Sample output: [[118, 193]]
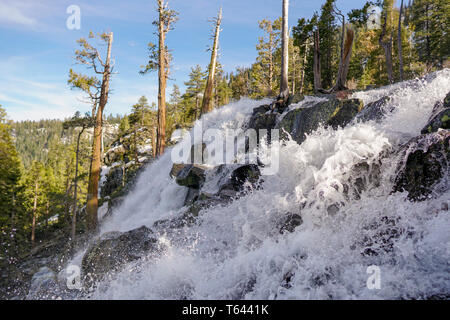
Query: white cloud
[[10, 12]]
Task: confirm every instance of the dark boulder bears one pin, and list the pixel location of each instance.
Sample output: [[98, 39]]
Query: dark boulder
[[376, 110], [425, 163], [333, 112], [262, 118], [289, 222], [439, 121], [176, 168], [246, 173], [192, 176], [114, 249], [440, 116]]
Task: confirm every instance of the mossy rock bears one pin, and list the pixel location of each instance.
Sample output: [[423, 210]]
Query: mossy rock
[[192, 176], [440, 121], [422, 169], [334, 112]]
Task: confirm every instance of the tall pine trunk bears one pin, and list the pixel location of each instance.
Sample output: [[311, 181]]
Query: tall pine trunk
[[284, 86], [162, 79], [400, 49], [317, 67], [207, 104], [94, 176]]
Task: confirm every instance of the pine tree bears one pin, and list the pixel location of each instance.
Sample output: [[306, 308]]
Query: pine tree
[[327, 34], [90, 56], [10, 175], [195, 87], [266, 69]]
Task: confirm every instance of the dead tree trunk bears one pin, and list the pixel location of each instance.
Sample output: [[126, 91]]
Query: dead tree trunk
[[400, 49], [284, 86], [345, 61], [317, 67], [94, 177], [207, 104]]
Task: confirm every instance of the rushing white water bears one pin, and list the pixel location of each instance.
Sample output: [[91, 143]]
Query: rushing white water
[[237, 252]]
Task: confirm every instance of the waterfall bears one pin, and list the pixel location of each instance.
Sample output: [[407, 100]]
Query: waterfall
[[236, 251]]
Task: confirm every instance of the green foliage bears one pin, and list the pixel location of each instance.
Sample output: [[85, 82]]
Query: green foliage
[[430, 19]]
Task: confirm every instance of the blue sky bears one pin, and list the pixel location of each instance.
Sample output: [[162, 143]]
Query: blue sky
[[37, 48]]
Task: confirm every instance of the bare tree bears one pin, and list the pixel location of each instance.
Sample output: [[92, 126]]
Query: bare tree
[[90, 56], [345, 61], [207, 103], [159, 59], [284, 86]]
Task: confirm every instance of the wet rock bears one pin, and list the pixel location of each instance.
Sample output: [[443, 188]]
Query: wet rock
[[376, 110], [333, 112], [114, 249], [289, 222], [380, 236], [345, 113], [296, 98], [176, 168], [246, 173], [191, 196], [425, 163], [192, 176], [43, 285], [262, 118], [439, 121]]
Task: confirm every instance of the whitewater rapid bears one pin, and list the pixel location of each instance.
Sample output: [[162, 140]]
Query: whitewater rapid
[[236, 251]]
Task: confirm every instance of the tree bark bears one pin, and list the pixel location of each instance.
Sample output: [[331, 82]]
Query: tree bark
[[271, 45], [284, 86], [317, 67], [94, 176], [345, 61], [207, 103], [400, 49], [154, 134], [162, 79], [302, 78]]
